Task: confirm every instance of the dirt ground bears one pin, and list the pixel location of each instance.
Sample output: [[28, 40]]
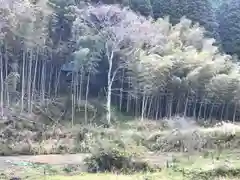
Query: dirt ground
[[67, 159]]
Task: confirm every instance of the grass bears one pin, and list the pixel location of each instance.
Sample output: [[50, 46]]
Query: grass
[[189, 167], [30, 138], [155, 176], [196, 152]]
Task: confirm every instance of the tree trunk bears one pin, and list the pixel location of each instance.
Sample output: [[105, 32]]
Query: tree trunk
[[222, 112], [34, 78], [211, 111], [109, 93], [234, 114], [157, 108], [86, 102], [23, 81], [110, 81], [150, 107], [128, 97], [50, 80], [72, 89], [143, 107], [200, 111], [2, 85], [205, 110], [14, 80], [121, 93], [80, 90], [195, 107], [6, 75], [43, 82], [30, 83], [186, 106]]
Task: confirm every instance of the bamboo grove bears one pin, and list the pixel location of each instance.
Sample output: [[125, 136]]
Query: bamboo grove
[[74, 57]]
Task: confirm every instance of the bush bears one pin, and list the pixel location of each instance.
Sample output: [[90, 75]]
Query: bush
[[226, 136], [115, 159], [221, 171]]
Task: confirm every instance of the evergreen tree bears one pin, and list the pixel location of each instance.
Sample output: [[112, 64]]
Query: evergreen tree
[[199, 11], [61, 21], [229, 27], [142, 6]]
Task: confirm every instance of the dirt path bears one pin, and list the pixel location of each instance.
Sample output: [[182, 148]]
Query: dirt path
[[9, 161]]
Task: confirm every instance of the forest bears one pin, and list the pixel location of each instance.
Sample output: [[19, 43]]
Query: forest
[[143, 58]]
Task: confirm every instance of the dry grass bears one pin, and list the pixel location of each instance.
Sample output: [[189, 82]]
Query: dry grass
[[219, 137], [168, 135], [197, 147], [182, 167]]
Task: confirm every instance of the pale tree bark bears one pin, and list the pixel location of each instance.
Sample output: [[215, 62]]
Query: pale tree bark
[[222, 111], [115, 34], [111, 78], [235, 110], [23, 81], [157, 108], [2, 85], [50, 80], [186, 106], [35, 76], [150, 107], [121, 93], [72, 89], [6, 75], [109, 88], [57, 80], [143, 106], [15, 76], [86, 103], [211, 111], [128, 96], [30, 83], [43, 82], [80, 89]]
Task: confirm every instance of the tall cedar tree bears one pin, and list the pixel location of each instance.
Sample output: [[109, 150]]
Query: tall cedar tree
[[229, 27], [199, 11]]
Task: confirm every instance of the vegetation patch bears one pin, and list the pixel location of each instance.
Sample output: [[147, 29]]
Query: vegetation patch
[[115, 159], [221, 137], [219, 172]]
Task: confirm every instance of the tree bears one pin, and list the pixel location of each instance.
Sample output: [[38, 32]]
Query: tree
[[144, 7], [229, 28], [199, 11], [25, 29], [60, 45], [86, 58], [119, 30]]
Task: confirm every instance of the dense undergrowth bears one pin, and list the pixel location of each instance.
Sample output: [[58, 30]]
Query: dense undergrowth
[[28, 137], [195, 168], [120, 149]]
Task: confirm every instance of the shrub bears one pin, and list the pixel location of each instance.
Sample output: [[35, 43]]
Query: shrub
[[223, 137], [222, 171], [115, 159]]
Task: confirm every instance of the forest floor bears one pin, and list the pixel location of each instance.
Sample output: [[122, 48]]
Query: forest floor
[[180, 148]]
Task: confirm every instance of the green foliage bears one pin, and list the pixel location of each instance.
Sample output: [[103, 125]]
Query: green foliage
[[115, 159], [216, 3], [228, 18], [222, 171], [142, 6], [199, 11]]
